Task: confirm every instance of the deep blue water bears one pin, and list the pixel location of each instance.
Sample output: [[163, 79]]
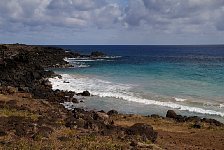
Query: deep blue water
[[185, 75]]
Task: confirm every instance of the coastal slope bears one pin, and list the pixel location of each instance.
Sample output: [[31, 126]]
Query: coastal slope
[[31, 116]]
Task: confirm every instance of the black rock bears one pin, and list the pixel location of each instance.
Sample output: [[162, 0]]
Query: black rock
[[181, 118], [143, 130], [84, 93], [70, 122], [155, 116], [212, 122], [23, 67], [74, 100], [193, 119], [171, 114], [112, 112], [97, 54], [102, 111]]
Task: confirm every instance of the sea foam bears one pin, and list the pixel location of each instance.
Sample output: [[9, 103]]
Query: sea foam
[[179, 99], [104, 88]]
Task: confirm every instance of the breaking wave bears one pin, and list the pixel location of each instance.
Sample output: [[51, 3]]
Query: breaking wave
[[104, 88]]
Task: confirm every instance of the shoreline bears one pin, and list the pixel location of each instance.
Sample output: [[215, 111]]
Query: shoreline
[[76, 83], [31, 110]]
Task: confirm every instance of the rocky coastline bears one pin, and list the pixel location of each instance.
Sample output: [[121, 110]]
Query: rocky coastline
[[31, 115]]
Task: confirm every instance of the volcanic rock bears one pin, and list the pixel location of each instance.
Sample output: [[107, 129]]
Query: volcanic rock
[[171, 114], [143, 130], [112, 112]]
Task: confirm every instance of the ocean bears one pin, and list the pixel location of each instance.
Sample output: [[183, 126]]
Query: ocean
[[148, 79]]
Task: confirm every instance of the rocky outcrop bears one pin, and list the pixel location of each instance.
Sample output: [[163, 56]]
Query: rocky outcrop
[[145, 131], [97, 54], [84, 93], [101, 123], [171, 114], [195, 119], [23, 73], [112, 112], [22, 69]]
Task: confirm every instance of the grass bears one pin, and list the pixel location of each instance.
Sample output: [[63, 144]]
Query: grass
[[84, 142], [7, 112]]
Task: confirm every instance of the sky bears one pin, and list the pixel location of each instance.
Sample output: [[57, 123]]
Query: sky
[[135, 22]]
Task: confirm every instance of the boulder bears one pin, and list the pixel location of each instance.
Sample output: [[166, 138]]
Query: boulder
[[100, 116], [112, 112], [70, 122], [181, 118], [171, 114], [84, 93], [102, 111], [212, 122], [74, 100], [143, 130], [193, 119], [97, 54], [197, 125]]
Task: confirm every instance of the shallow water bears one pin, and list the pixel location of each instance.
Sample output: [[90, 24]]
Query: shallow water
[[151, 79]]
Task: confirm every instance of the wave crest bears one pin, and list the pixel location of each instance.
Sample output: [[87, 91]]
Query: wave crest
[[104, 88]]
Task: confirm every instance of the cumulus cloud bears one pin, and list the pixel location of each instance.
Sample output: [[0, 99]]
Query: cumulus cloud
[[137, 16], [64, 13], [167, 14], [81, 5]]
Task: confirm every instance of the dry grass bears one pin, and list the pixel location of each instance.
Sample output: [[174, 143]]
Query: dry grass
[[76, 140], [7, 112], [157, 123], [171, 134]]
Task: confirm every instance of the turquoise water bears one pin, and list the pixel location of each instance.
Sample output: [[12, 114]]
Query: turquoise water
[[189, 79]]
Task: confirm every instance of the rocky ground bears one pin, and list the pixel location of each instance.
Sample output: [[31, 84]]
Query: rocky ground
[[31, 116]]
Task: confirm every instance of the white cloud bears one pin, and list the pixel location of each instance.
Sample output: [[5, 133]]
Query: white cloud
[[64, 13], [140, 17], [190, 15]]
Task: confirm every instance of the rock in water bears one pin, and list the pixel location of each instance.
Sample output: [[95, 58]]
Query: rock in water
[[97, 54], [171, 114], [84, 93], [143, 130]]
